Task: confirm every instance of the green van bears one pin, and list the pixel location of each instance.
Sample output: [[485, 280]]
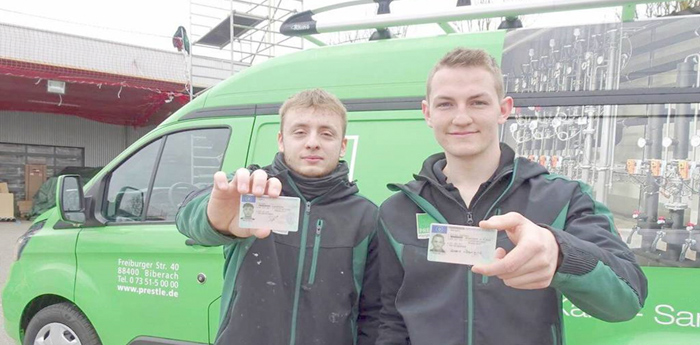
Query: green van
[[108, 265]]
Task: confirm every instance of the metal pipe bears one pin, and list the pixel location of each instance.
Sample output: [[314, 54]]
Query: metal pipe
[[249, 41], [694, 128], [597, 143], [683, 112], [697, 58], [231, 37], [576, 80], [648, 149], [591, 73], [532, 143], [588, 148], [655, 131], [668, 128], [676, 239], [579, 147], [607, 131], [615, 109], [238, 1], [467, 13], [566, 150], [189, 58], [653, 150], [270, 35]]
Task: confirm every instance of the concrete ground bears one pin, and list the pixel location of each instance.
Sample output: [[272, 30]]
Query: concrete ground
[[9, 233]]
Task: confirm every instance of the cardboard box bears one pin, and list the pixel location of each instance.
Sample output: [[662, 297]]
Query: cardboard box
[[7, 206], [34, 177], [25, 206], [4, 188]]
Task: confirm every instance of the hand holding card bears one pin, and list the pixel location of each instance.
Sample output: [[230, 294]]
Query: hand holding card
[[533, 261], [225, 200]]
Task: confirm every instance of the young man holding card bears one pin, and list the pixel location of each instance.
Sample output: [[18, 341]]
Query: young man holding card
[[493, 286], [313, 280]]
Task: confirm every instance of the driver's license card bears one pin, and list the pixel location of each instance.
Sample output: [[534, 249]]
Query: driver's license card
[[280, 214], [464, 245]]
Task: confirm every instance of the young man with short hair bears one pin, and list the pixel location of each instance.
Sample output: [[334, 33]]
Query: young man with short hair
[[318, 285], [248, 210], [554, 239]]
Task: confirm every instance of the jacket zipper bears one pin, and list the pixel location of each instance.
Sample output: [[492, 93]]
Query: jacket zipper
[[302, 253], [470, 287], [470, 275], [469, 213], [470, 217], [317, 247], [300, 270], [470, 278], [470, 306], [470, 221]]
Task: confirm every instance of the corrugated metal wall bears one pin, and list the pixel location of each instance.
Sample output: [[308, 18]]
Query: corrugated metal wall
[[102, 142], [59, 49]]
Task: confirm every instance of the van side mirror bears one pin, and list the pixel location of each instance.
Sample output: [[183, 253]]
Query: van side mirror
[[70, 199]]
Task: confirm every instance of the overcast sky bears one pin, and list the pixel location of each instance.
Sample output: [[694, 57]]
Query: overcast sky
[[152, 22]]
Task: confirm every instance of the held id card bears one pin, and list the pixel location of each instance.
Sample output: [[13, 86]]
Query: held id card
[[280, 214], [464, 245]]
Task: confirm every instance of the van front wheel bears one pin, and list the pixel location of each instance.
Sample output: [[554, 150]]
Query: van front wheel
[[60, 324]]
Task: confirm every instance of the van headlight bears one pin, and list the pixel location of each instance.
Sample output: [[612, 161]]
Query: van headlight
[[24, 239]]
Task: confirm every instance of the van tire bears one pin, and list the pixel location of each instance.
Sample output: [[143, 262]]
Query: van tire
[[66, 317]]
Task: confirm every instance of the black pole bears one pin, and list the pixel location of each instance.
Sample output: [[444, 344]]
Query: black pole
[[676, 238], [655, 126]]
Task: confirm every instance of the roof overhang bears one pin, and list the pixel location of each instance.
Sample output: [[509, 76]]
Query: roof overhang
[[98, 96]]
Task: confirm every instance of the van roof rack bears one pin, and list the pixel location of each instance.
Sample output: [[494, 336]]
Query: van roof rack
[[303, 25]]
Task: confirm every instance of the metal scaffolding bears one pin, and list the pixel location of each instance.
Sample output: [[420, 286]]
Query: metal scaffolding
[[242, 32]]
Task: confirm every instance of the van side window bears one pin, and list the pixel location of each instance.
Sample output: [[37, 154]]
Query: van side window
[[188, 163], [128, 185]]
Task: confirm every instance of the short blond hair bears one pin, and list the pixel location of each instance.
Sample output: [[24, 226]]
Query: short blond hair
[[316, 99], [465, 57]]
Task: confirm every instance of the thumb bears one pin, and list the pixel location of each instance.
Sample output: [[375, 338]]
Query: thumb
[[500, 254], [483, 268], [260, 233]]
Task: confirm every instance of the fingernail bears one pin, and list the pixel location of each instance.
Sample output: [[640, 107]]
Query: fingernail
[[258, 190]]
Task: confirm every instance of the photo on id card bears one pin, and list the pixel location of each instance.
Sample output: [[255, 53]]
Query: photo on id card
[[464, 245]]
